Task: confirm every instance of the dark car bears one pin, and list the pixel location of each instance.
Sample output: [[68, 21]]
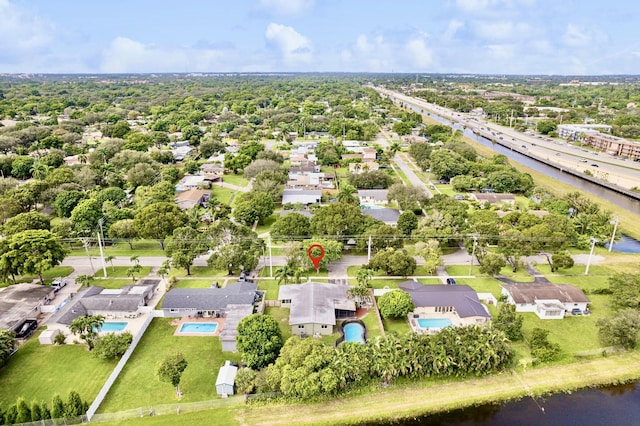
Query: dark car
[[594, 165], [451, 281], [576, 311]]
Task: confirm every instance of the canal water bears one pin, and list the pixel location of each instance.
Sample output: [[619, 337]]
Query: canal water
[[619, 405], [625, 245], [619, 199]]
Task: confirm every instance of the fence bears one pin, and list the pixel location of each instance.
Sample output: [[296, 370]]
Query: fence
[[50, 422], [116, 371], [272, 303]]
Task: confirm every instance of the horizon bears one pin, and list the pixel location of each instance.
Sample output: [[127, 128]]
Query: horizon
[[485, 37]]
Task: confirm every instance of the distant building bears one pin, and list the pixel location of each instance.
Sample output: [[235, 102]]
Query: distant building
[[576, 132], [191, 198], [386, 215], [546, 300], [373, 196], [21, 302], [298, 196], [614, 145], [492, 198]]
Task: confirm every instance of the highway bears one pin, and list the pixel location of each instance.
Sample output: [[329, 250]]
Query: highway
[[615, 170]]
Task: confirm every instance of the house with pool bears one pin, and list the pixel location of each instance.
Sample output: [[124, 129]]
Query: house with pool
[[229, 304], [315, 307], [439, 306], [546, 300]]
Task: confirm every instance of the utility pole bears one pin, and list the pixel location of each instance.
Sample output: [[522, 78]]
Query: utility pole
[[104, 266], [270, 259], [369, 250], [593, 244], [613, 235], [85, 243], [473, 252]]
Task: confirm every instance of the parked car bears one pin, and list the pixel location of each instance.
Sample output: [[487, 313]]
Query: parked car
[[594, 165], [584, 160], [576, 311], [451, 281]]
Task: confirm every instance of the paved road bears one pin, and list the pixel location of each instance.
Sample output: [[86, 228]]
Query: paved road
[[82, 266]]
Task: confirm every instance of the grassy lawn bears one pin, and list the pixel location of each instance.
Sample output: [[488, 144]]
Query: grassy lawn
[[282, 316], [121, 271], [198, 272], [371, 322], [398, 326], [137, 385], [48, 276], [140, 248], [271, 286], [268, 223], [217, 416], [187, 283], [237, 180], [223, 194], [382, 283], [40, 371]]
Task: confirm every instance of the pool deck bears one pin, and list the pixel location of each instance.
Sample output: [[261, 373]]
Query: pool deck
[[179, 321], [413, 322]]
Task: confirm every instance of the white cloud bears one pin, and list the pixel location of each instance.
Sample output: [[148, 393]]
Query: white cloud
[[287, 7], [420, 54], [502, 30], [362, 44], [576, 36], [124, 55], [452, 28], [502, 51], [294, 47], [22, 33], [491, 6]]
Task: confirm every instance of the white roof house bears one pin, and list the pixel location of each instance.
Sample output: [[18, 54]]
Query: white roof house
[[226, 379], [297, 196]]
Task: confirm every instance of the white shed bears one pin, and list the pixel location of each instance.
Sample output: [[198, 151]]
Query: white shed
[[226, 379], [48, 336]]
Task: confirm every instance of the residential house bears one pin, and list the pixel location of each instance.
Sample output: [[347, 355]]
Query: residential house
[[367, 166], [125, 302], [22, 302], [225, 383], [459, 303], [351, 157], [315, 307], [298, 159], [310, 180], [192, 197], [546, 300], [299, 196], [386, 215], [181, 150], [369, 154], [212, 172], [374, 197], [492, 198], [191, 182]]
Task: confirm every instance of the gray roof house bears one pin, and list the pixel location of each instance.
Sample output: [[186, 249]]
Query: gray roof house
[[111, 303], [314, 307], [233, 302], [386, 215], [298, 196], [547, 300], [460, 300], [373, 196]]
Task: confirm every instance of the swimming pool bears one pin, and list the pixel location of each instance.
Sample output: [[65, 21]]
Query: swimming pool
[[434, 322], [111, 326], [370, 207], [199, 327], [354, 332]]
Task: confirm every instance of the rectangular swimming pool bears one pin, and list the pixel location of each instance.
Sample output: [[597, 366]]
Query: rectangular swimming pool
[[434, 322], [112, 326], [199, 327]]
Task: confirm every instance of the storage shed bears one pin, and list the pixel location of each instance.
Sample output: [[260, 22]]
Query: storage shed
[[226, 379], [48, 336]]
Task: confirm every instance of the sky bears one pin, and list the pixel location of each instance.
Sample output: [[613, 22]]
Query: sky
[[562, 37]]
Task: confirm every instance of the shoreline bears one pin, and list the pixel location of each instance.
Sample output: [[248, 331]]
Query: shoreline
[[416, 399]]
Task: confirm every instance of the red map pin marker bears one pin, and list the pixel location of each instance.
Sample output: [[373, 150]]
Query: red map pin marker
[[316, 260]]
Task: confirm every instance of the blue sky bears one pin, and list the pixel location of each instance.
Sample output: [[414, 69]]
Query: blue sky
[[426, 36]]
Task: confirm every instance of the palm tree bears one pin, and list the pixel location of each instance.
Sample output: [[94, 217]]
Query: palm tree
[[135, 259], [86, 327], [40, 170], [283, 274], [132, 271], [363, 276], [347, 194], [84, 280], [298, 274], [393, 148], [110, 259]]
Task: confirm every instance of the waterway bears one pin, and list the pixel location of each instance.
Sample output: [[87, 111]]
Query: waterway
[[618, 405], [625, 245], [618, 199]]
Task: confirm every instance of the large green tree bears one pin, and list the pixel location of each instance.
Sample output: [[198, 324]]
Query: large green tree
[[184, 246], [26, 221], [620, 330], [292, 226], [337, 219], [625, 291], [259, 340], [393, 262], [32, 252], [170, 370], [233, 247], [395, 304], [158, 221], [7, 345]]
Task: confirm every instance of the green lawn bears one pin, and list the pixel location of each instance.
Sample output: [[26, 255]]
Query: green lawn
[[40, 371], [223, 194], [218, 416], [198, 272], [121, 271], [271, 287], [140, 248], [371, 322], [48, 276], [282, 316], [197, 283], [382, 283], [268, 223], [237, 180], [137, 385], [398, 326]]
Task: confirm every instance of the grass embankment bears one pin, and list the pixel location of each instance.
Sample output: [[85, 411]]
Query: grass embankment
[[37, 372], [416, 399], [137, 385]]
